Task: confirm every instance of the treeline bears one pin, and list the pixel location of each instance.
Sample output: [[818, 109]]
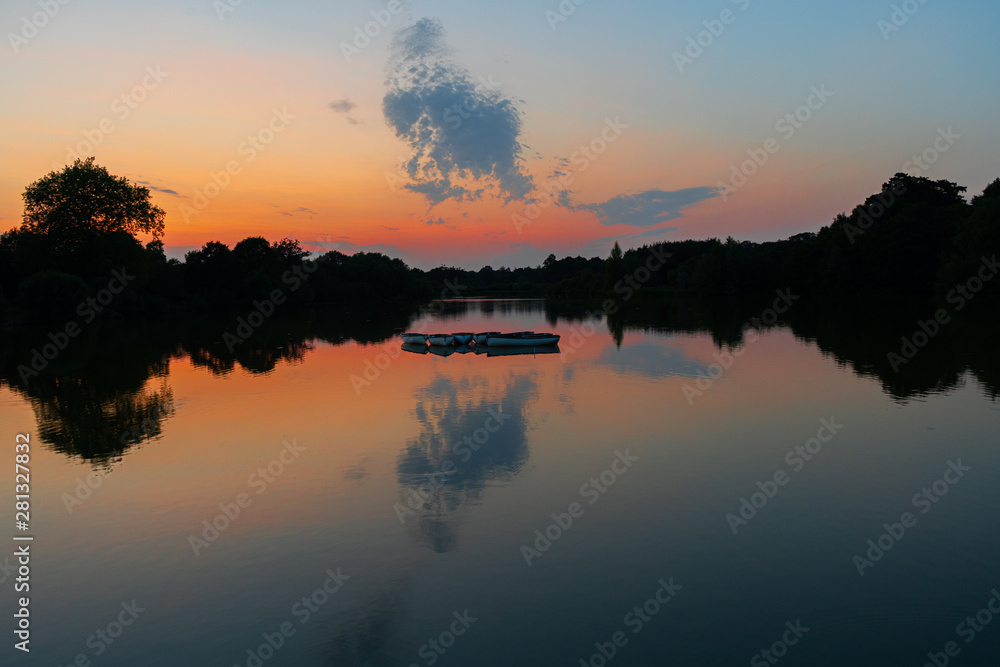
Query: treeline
[[39, 285], [916, 237]]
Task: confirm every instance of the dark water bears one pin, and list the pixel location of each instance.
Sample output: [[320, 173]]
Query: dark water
[[668, 489]]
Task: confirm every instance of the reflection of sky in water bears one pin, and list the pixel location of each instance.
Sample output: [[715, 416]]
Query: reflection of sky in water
[[650, 358], [471, 434], [366, 454]]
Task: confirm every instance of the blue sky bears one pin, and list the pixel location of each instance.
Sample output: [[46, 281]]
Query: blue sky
[[554, 90]]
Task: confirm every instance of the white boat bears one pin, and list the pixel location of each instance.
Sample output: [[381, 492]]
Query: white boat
[[462, 338], [440, 339], [481, 338], [523, 339], [410, 338]]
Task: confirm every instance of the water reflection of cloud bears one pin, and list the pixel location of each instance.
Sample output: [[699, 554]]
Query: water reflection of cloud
[[650, 359], [472, 433]]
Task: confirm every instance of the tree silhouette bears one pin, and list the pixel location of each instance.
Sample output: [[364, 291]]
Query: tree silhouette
[[615, 266], [84, 199]]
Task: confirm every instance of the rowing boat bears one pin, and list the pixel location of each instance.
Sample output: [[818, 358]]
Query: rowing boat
[[523, 339]]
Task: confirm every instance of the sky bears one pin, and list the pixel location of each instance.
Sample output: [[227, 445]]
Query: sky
[[466, 134]]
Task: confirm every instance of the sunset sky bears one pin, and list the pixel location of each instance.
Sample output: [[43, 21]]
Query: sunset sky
[[437, 137]]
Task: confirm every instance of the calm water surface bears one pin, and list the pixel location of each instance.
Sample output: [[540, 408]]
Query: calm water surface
[[515, 510]]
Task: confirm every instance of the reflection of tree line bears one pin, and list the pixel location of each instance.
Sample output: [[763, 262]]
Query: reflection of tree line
[[100, 398], [109, 391], [858, 334]]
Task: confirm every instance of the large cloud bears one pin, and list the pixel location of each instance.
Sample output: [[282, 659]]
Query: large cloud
[[458, 128]]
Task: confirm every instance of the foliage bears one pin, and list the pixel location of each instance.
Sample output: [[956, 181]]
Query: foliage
[[915, 237], [84, 199]]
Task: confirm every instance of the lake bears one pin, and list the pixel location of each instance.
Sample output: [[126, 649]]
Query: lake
[[679, 484]]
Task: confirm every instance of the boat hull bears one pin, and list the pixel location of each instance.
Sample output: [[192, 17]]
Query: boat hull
[[462, 338], [414, 339], [483, 338], [441, 339], [511, 351], [536, 340]]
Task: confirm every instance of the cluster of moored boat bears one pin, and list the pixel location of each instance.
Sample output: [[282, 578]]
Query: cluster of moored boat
[[491, 338]]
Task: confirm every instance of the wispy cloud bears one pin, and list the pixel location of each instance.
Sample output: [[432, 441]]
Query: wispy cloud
[[300, 209], [342, 106], [166, 191], [458, 131], [643, 209], [345, 106]]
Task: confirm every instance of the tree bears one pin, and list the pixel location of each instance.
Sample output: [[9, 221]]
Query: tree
[[290, 251], [254, 252], [85, 200], [615, 265]]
